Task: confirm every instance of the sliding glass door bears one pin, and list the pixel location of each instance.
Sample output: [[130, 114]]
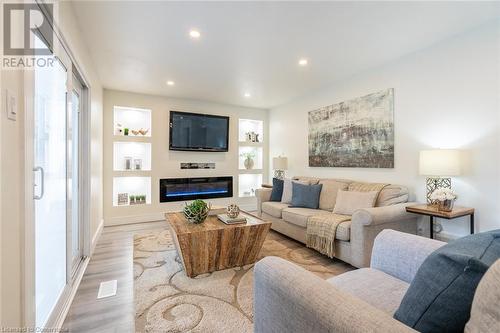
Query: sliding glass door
[[56, 181]]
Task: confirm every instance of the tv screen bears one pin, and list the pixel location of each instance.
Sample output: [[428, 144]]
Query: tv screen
[[200, 132]]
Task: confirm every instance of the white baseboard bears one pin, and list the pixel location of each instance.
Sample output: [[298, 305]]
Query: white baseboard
[[119, 220], [446, 237], [153, 217], [96, 237]]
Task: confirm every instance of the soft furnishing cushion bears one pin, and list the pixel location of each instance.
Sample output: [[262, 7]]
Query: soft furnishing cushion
[[485, 312], [440, 296], [277, 191], [329, 191], [350, 201], [305, 196], [287, 190], [392, 195]]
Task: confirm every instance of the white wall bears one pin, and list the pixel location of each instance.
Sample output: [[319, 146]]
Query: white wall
[[12, 170], [166, 163], [446, 96], [12, 213]]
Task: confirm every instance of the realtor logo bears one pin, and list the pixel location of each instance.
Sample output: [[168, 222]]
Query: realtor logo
[[20, 21]]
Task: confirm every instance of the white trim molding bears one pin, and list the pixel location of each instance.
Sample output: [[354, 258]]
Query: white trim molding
[[96, 237]]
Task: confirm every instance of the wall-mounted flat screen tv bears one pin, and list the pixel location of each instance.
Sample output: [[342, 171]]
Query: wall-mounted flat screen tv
[[198, 132]]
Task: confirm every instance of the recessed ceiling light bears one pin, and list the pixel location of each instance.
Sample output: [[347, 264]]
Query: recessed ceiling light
[[194, 34], [303, 62], [247, 95], [170, 83]]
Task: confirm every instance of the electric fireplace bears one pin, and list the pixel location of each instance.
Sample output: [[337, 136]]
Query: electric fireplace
[[183, 189]]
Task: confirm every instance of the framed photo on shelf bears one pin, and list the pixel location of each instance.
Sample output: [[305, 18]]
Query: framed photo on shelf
[[122, 199]]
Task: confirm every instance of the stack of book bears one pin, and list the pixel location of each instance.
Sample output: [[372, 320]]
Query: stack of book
[[227, 220]]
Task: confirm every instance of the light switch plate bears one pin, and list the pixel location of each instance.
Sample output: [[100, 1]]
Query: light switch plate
[[11, 105]]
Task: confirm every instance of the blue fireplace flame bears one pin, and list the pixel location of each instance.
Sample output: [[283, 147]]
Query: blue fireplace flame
[[197, 192]]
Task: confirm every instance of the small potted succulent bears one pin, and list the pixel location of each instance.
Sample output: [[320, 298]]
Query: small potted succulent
[[197, 211], [445, 197], [132, 199]]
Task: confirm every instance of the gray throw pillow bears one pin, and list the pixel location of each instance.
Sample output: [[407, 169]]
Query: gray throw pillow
[[440, 296], [306, 196], [287, 190]]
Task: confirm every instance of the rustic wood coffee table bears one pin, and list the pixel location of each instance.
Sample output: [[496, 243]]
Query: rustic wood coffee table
[[213, 245]]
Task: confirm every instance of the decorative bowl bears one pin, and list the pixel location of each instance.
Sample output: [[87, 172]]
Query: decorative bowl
[[445, 205]]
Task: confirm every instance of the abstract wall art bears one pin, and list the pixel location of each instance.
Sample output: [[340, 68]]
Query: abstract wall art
[[357, 133]]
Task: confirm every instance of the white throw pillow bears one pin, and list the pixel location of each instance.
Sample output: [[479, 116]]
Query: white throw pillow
[[350, 201], [286, 197]]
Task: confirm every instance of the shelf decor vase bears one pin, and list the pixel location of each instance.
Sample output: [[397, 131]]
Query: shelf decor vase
[[446, 205], [197, 211], [249, 163]]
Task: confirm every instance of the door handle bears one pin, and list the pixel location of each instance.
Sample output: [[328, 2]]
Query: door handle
[[42, 183]]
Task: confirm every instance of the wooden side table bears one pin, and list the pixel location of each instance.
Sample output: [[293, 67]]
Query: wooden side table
[[433, 212]]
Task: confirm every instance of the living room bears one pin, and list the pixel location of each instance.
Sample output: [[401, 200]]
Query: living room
[[258, 166]]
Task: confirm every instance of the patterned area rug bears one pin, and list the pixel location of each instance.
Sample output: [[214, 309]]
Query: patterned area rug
[[166, 300]]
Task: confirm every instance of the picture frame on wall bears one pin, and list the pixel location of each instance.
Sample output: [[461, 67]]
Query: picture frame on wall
[[122, 199], [357, 133]]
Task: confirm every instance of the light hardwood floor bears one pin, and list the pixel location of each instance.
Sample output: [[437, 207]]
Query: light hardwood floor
[[112, 260]]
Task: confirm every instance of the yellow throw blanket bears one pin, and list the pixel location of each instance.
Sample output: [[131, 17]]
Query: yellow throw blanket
[[321, 229]]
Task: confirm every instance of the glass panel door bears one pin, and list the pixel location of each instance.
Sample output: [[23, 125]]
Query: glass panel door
[[50, 179], [74, 175]]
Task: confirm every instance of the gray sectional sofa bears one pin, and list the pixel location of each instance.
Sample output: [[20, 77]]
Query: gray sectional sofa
[[287, 298], [354, 238]]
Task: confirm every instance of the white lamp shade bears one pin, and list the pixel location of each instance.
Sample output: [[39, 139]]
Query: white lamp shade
[[440, 162], [280, 163]]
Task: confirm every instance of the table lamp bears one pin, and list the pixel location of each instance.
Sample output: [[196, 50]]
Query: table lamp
[[438, 165], [280, 164]]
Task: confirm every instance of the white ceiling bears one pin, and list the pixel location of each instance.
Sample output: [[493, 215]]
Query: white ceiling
[[255, 46]]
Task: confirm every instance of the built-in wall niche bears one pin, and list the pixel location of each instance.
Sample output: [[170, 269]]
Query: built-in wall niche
[[251, 130], [131, 191], [131, 156], [248, 183], [132, 121], [250, 158]]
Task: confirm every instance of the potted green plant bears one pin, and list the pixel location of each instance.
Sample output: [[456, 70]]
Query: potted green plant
[[197, 211], [125, 131], [132, 199], [248, 162]]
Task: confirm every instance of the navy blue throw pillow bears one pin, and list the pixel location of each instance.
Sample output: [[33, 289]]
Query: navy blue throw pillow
[[277, 192], [440, 296], [306, 196]]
